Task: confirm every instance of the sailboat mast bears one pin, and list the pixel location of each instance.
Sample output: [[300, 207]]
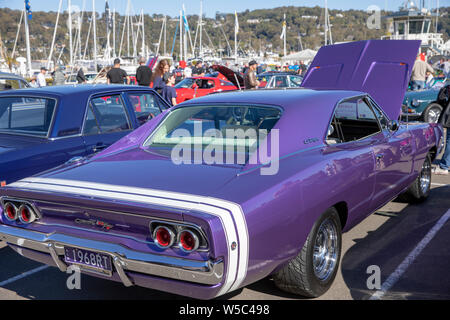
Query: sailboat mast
[[181, 36], [326, 22], [54, 35], [17, 34], [69, 8], [143, 34], [27, 39], [94, 25], [201, 28]]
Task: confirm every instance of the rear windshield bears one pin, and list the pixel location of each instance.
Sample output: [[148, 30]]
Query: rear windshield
[[26, 115], [233, 129]]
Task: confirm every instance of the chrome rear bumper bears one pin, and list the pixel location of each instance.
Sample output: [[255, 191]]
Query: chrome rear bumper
[[124, 259]]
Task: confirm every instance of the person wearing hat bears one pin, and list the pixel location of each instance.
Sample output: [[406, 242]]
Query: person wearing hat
[[250, 80], [40, 79], [143, 73]]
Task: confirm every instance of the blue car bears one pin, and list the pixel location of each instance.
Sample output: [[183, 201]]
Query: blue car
[[43, 128]]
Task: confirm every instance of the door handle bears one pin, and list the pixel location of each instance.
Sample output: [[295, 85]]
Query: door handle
[[99, 147]]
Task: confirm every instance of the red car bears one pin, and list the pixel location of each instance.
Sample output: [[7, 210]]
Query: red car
[[195, 87]]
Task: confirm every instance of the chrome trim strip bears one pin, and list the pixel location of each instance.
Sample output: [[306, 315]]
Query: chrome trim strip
[[202, 272]]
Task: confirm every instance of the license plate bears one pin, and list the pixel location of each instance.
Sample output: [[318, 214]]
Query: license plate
[[89, 260]]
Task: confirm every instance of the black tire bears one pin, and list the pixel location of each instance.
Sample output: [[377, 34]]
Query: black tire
[[432, 113], [298, 276], [419, 190]]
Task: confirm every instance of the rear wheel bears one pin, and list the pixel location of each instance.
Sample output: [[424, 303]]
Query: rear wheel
[[420, 188], [432, 113], [312, 272]]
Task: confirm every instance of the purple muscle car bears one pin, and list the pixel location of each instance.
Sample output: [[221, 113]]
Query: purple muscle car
[[220, 192]]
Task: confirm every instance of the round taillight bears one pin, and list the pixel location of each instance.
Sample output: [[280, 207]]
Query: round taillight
[[10, 211], [188, 241], [26, 214], [163, 237]]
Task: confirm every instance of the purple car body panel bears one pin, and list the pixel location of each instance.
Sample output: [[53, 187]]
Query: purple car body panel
[[236, 207]]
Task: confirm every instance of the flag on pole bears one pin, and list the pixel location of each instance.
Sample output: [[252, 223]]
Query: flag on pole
[[236, 23], [28, 9], [186, 25], [283, 33]]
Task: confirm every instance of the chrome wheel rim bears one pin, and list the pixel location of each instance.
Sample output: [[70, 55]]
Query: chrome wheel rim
[[325, 250], [433, 115], [425, 177]]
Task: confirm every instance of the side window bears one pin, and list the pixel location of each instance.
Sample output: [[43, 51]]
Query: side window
[[384, 122], [90, 124], [109, 115], [145, 106], [353, 120], [211, 84], [281, 82], [295, 81]]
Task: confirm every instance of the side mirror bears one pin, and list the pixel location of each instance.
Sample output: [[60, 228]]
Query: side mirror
[[394, 125]]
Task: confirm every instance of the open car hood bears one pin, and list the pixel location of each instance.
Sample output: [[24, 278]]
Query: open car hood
[[232, 76], [382, 68]]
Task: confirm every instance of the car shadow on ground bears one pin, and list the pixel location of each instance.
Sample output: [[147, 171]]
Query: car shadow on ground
[[388, 246]]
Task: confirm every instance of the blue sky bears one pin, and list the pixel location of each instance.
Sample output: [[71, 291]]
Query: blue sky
[[172, 7]]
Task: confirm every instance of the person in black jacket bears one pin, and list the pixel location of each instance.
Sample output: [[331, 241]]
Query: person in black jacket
[[143, 74], [81, 78], [444, 165]]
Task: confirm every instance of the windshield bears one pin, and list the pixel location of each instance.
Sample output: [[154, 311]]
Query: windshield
[[26, 115], [219, 129], [186, 83]]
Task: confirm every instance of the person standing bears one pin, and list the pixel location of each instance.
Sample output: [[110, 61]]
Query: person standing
[[81, 78], [143, 73], [444, 164], [40, 79], [168, 92], [117, 75], [198, 70], [157, 78], [59, 78], [250, 80], [419, 72]]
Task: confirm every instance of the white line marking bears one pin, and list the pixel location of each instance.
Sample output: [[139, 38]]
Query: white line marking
[[401, 269], [23, 275], [440, 184]]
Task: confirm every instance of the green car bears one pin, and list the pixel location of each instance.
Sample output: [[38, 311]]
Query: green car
[[424, 105]]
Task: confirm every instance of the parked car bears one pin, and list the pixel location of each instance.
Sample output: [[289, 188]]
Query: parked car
[[279, 80], [195, 87], [90, 77], [137, 214], [425, 105], [43, 128], [10, 81]]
